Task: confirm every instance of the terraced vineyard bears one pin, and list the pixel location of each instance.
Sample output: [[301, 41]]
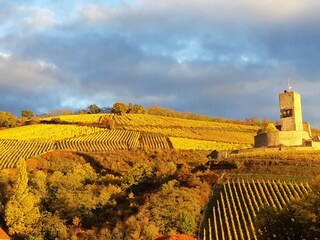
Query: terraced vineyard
[[47, 132], [232, 214], [102, 141], [175, 127], [86, 139], [187, 143], [154, 141], [131, 131], [11, 151]]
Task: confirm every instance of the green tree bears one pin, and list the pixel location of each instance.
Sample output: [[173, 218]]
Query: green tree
[[21, 212], [8, 119], [28, 114], [93, 109], [119, 108]]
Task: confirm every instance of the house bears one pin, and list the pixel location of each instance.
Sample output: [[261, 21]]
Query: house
[[3, 235]]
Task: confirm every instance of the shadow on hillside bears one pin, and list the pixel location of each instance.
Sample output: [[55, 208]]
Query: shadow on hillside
[[97, 166]]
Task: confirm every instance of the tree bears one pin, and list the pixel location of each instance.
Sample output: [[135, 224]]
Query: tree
[[119, 108], [300, 220], [59, 112], [8, 119], [93, 109], [28, 114], [135, 108], [267, 127], [21, 212]]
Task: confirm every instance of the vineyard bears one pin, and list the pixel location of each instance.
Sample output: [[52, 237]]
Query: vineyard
[[187, 143], [47, 132], [101, 141], [154, 141], [11, 151], [174, 127], [131, 131], [236, 204]]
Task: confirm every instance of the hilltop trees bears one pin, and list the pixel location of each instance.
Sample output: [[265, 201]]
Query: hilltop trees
[[8, 120], [91, 109], [119, 108], [27, 114], [135, 108]]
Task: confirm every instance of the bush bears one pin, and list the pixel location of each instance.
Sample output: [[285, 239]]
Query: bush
[[8, 120], [267, 127]]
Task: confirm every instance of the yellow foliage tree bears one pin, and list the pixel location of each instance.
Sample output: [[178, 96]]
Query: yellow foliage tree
[[21, 212]]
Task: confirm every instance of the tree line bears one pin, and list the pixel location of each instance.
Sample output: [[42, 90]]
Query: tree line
[[8, 119]]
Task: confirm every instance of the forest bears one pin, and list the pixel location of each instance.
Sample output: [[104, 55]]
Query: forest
[[114, 195]]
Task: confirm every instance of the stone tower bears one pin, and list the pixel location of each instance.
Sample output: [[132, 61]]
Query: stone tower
[[290, 111]]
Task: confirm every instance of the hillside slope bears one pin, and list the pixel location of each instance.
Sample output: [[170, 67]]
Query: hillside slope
[[87, 133]]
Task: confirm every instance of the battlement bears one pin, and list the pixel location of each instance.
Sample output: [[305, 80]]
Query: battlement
[[281, 138]]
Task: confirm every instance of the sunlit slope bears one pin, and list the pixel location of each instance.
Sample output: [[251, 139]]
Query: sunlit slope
[[47, 132], [175, 127], [28, 141], [131, 131]]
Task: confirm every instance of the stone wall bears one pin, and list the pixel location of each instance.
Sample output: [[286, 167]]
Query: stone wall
[[285, 138]]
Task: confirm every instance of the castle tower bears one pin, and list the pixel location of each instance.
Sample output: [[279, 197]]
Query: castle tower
[[290, 111]]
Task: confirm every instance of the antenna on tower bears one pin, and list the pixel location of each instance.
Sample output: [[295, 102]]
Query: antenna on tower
[[289, 85]]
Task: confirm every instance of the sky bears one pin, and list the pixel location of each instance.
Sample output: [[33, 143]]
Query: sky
[[226, 59]]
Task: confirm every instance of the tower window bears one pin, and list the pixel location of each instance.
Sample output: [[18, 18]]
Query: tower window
[[286, 113]]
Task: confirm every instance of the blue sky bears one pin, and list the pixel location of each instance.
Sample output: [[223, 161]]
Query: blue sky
[[221, 58]]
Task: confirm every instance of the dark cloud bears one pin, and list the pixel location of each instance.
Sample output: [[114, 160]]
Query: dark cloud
[[218, 58]]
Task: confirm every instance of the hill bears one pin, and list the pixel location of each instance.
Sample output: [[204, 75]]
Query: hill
[[131, 131], [138, 176]]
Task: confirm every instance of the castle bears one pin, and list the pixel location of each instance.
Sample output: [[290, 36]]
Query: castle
[[291, 131]]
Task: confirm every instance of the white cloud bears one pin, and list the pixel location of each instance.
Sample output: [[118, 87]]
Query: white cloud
[[39, 18], [46, 66], [5, 56], [26, 75], [95, 13]]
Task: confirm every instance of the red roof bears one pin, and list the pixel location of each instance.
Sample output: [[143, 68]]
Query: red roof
[[175, 237], [3, 235]]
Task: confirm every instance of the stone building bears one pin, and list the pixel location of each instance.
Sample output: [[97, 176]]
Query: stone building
[[292, 131]]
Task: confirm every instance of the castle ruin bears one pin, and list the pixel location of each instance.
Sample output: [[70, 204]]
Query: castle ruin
[[291, 131]]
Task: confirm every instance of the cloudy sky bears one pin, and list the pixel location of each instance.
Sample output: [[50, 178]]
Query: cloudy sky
[[221, 58]]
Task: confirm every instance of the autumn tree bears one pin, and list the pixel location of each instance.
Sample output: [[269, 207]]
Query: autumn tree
[[59, 112], [267, 127], [21, 212], [27, 114], [119, 108], [8, 119], [135, 108], [93, 109]]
